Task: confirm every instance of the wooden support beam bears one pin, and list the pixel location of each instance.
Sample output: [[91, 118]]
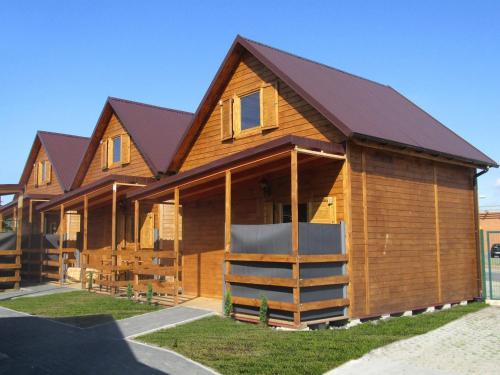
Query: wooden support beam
[[19, 237], [62, 226], [136, 241], [294, 194], [113, 237], [227, 228], [365, 232], [438, 236], [42, 242], [84, 255], [477, 236], [176, 245]]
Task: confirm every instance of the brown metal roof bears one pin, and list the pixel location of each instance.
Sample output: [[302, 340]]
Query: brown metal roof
[[65, 152], [8, 189], [358, 107], [156, 131], [107, 180], [288, 141]]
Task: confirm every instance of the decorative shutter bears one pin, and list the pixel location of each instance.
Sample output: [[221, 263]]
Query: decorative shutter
[[110, 152], [104, 154], [268, 212], [35, 174], [322, 210], [40, 174], [125, 151], [269, 106], [226, 119], [278, 213], [48, 172], [147, 231], [236, 115]]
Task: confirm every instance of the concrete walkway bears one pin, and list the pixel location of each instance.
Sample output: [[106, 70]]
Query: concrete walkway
[[469, 345], [35, 291], [34, 345]]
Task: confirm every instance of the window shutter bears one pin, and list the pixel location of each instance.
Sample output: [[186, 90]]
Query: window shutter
[[322, 210], [104, 154], [147, 231], [268, 212], [35, 174], [125, 151], [226, 116], [48, 172], [110, 152], [236, 115], [278, 213], [269, 106], [40, 173]]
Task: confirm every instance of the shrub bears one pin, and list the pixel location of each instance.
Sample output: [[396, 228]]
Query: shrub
[[130, 291], [264, 309], [228, 304], [90, 279], [149, 293]]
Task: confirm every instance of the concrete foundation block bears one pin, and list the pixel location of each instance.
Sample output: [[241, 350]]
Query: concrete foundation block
[[408, 313], [446, 306], [353, 323], [463, 303], [430, 309], [385, 317]]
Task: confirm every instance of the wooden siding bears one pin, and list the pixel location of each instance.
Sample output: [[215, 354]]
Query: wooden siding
[[295, 117], [53, 188], [394, 252], [136, 167], [203, 233]]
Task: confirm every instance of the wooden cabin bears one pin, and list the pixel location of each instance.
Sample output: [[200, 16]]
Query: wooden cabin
[[334, 196], [48, 173], [131, 146]]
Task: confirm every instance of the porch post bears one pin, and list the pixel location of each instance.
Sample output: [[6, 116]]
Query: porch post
[[136, 244], [83, 254], [295, 234], [42, 243], [227, 247], [62, 225], [19, 238], [176, 245], [113, 240]]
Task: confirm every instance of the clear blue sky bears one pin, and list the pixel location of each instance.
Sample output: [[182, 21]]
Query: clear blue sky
[[59, 60]]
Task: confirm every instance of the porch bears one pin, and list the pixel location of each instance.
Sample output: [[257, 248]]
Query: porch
[[267, 221]]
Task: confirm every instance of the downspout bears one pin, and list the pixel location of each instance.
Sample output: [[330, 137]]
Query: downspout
[[480, 255]]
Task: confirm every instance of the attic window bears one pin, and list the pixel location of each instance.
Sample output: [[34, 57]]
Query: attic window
[[250, 111], [117, 146]]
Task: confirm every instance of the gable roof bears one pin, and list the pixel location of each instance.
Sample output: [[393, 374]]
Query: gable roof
[[358, 107], [64, 152], [156, 131]]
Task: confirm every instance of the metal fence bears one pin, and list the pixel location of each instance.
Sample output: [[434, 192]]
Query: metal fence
[[490, 261]]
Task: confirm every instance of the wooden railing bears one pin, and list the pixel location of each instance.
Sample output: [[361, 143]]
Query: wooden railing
[[10, 267], [141, 268]]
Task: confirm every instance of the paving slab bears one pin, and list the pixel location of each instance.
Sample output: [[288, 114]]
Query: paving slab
[[35, 291], [469, 345]]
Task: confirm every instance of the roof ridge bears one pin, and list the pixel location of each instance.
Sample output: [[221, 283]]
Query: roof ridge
[[151, 105], [314, 62], [62, 134]]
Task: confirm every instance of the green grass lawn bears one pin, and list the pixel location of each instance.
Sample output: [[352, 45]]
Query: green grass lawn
[[80, 308], [239, 348]]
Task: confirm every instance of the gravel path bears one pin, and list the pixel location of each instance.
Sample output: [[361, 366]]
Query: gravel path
[[469, 345]]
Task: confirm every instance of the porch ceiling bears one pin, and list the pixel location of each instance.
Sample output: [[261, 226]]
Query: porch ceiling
[[270, 154]]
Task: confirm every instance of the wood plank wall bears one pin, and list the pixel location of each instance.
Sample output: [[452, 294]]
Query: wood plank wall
[[394, 235], [136, 167], [53, 188], [295, 117]]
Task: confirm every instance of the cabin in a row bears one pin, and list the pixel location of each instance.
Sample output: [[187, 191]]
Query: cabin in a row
[[332, 195]]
